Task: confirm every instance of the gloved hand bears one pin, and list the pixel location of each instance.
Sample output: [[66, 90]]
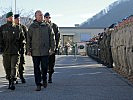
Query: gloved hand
[[51, 52], [56, 51]]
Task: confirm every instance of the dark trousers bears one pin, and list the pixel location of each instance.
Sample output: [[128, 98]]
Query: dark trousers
[[40, 74], [51, 64]]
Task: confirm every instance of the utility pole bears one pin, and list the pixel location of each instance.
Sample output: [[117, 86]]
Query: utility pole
[[15, 6], [11, 5]]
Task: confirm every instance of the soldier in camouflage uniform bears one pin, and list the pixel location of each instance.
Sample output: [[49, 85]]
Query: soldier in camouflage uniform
[[108, 59], [57, 38], [22, 53], [11, 40]]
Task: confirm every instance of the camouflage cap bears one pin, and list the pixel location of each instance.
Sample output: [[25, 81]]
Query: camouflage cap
[[9, 14]]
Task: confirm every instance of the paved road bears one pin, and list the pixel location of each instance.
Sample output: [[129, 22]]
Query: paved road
[[74, 79]]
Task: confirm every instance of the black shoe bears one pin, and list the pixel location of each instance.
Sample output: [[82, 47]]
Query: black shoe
[[9, 87], [108, 66], [23, 80], [50, 80], [12, 87], [16, 82], [38, 88], [45, 84]]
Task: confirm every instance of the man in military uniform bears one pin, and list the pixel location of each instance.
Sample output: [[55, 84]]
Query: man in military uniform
[[40, 42], [57, 38], [11, 40], [22, 52]]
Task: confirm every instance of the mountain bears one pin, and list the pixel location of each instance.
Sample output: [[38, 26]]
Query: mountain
[[112, 14]]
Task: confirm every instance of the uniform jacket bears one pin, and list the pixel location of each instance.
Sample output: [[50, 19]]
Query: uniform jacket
[[56, 33], [40, 39], [11, 38]]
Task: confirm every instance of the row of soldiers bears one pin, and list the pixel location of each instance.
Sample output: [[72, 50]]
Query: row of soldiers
[[100, 46], [121, 24], [16, 41]]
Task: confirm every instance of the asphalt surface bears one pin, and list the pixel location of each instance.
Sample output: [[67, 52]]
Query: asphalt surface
[[78, 78]]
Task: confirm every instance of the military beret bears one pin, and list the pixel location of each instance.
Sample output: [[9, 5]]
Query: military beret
[[46, 14], [9, 14], [16, 16]]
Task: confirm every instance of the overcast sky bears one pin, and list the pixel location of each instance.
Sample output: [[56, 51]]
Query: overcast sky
[[63, 12]]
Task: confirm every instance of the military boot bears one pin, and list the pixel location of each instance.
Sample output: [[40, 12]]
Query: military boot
[[12, 86], [38, 88], [45, 83], [9, 86], [22, 78], [50, 78], [16, 81]]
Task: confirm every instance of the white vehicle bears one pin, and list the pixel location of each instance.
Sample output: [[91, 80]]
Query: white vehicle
[[81, 46]]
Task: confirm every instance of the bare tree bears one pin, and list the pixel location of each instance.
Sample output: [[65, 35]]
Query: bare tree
[[26, 17], [5, 10]]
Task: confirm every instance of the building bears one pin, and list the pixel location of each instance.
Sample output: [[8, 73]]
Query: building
[[77, 34]]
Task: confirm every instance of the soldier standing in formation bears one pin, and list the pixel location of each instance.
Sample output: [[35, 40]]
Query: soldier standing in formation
[[40, 41], [57, 38], [22, 51], [11, 41]]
